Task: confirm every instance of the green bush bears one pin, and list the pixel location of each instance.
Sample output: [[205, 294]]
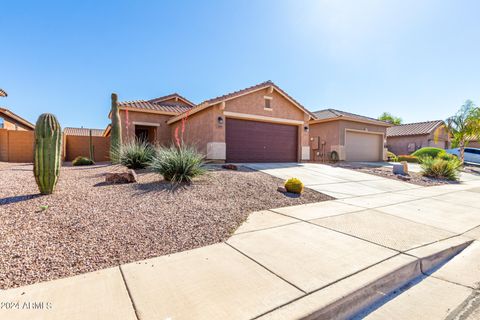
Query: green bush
[[439, 168], [428, 152], [446, 156], [294, 185], [136, 154], [408, 158], [82, 161], [178, 164], [391, 156]]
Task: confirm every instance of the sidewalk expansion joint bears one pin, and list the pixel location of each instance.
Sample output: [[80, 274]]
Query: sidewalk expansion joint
[[278, 276], [129, 293]]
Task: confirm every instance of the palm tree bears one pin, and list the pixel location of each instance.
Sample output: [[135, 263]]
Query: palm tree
[[463, 125], [388, 117], [3, 93]]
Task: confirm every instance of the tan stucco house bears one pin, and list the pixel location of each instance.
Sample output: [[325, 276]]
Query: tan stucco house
[[261, 123], [351, 136], [407, 138]]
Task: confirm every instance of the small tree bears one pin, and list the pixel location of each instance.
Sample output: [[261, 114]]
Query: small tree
[[388, 117], [463, 125]]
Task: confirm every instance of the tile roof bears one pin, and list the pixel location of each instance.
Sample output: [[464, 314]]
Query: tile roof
[[7, 113], [148, 105], [170, 96], [412, 129], [83, 132], [334, 113], [234, 94], [3, 93]]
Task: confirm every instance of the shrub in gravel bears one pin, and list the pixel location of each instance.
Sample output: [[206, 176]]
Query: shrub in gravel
[[82, 161], [427, 152], [440, 168], [408, 158], [136, 154], [178, 164], [294, 185], [391, 156]]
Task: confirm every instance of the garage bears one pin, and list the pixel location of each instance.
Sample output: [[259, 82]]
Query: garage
[[363, 146], [254, 141]]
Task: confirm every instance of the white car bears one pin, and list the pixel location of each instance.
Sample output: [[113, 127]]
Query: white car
[[472, 155]]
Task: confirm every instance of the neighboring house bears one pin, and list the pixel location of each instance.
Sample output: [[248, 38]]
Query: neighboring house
[[474, 142], [16, 137], [353, 137], [407, 138], [261, 123], [12, 121]]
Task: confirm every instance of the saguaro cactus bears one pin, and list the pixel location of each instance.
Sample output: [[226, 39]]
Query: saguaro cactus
[[47, 153], [116, 131], [91, 147]]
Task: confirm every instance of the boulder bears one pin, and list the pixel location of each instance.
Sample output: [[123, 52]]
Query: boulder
[[282, 189], [121, 177], [404, 177], [230, 167], [400, 169]]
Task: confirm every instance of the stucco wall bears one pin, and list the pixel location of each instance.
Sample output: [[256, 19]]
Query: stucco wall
[[80, 146], [199, 129], [327, 132], [399, 145], [11, 124], [16, 145], [163, 132]]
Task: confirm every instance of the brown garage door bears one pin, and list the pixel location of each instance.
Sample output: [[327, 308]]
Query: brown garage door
[[252, 141], [362, 146]]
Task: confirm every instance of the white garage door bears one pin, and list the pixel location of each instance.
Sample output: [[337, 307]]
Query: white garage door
[[362, 146]]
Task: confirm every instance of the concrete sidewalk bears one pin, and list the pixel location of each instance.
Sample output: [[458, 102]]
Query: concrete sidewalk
[[288, 263]]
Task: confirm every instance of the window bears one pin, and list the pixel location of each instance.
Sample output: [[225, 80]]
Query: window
[[268, 105]]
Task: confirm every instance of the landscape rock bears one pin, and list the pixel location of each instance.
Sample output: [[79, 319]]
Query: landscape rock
[[121, 177], [403, 177], [400, 169], [282, 189], [230, 167]]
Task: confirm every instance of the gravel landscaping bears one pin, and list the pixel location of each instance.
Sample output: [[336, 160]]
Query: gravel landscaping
[[386, 172], [88, 225]]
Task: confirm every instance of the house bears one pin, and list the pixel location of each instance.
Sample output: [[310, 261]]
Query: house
[[407, 138], [16, 137], [261, 123], [12, 121], [349, 136]]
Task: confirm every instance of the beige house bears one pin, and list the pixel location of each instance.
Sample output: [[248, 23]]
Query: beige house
[[407, 138], [261, 123], [351, 137]]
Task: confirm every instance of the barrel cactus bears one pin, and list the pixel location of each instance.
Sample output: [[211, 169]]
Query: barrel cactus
[[47, 153], [294, 185], [116, 131]]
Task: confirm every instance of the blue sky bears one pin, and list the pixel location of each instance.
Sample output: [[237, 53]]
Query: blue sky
[[416, 59]]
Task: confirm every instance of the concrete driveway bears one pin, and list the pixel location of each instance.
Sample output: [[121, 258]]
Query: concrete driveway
[[337, 182]]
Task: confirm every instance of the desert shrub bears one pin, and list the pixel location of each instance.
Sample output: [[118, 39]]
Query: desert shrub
[[408, 158], [135, 154], [440, 168], [82, 161], [294, 185], [446, 156], [391, 156], [178, 164], [428, 152]]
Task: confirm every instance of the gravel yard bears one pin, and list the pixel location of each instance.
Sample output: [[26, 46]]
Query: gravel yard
[[89, 225], [387, 172]]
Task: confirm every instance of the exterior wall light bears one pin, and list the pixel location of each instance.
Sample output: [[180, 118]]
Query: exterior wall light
[[305, 129], [220, 120]]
